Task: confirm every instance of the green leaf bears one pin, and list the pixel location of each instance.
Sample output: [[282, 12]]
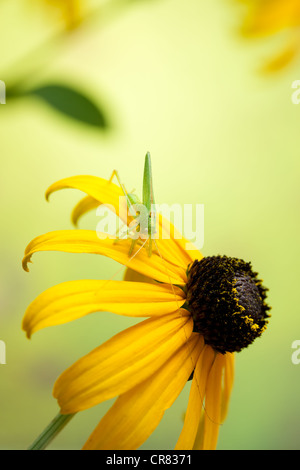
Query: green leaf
[[71, 103]]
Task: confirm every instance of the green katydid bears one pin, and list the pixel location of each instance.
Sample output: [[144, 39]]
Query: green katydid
[[144, 224]]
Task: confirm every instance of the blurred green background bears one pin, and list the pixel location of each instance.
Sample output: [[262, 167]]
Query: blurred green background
[[176, 79]]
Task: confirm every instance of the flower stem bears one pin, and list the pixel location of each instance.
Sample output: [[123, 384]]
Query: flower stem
[[51, 431]]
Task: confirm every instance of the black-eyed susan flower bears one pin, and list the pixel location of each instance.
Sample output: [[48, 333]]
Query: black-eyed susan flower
[[199, 311], [274, 18]]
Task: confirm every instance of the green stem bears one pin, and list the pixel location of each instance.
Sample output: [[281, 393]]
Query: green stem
[[51, 431]]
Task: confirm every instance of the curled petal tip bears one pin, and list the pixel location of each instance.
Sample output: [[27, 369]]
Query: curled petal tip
[[47, 194], [25, 262], [74, 220], [28, 333], [26, 329]]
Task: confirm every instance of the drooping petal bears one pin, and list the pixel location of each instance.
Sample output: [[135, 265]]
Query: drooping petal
[[71, 300], [213, 400], [136, 413], [228, 384], [196, 400], [89, 241], [217, 395], [122, 362]]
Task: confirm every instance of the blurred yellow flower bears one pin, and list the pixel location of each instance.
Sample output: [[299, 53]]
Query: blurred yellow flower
[[69, 10], [274, 17], [200, 311]]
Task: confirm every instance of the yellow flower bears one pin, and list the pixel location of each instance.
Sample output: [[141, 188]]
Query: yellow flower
[[274, 17], [198, 311], [69, 10]]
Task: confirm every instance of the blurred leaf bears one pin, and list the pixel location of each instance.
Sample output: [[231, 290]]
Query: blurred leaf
[[68, 101], [72, 103]]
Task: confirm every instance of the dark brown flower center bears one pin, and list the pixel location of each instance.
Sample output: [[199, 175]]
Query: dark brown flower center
[[227, 302]]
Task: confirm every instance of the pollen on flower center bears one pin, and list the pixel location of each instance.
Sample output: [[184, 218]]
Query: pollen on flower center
[[227, 302]]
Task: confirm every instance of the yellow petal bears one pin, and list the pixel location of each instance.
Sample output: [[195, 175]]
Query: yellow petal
[[208, 428], [198, 444], [98, 188], [70, 11], [269, 17], [99, 191], [82, 207], [170, 240], [196, 400], [170, 243], [71, 300], [131, 275], [136, 413], [122, 362], [73, 12], [281, 60], [87, 241], [212, 412], [228, 384]]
